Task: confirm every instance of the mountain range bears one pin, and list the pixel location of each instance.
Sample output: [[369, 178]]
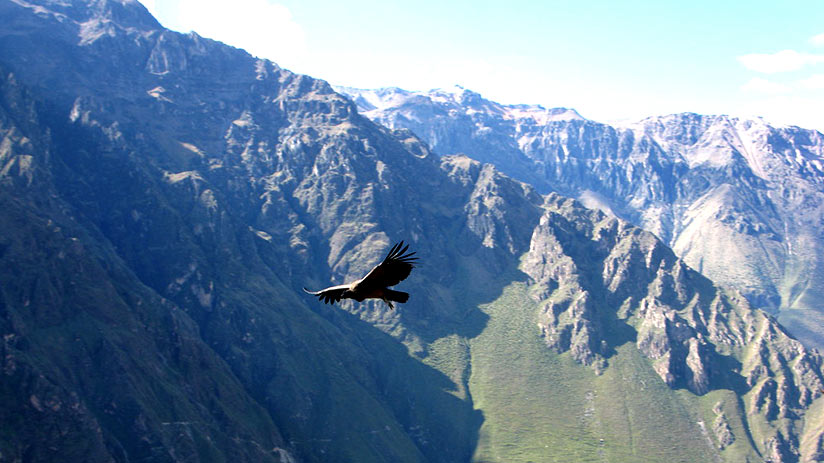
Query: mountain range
[[739, 200], [165, 197]]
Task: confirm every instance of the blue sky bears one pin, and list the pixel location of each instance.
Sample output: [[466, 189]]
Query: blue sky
[[609, 60]]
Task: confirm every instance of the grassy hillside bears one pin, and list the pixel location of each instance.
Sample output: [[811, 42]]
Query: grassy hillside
[[542, 406]]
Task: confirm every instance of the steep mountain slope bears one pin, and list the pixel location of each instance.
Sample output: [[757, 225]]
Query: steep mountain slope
[[179, 195], [163, 198], [739, 200], [96, 365]]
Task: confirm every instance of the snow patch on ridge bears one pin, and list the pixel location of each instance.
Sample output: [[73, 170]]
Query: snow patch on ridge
[[373, 102]]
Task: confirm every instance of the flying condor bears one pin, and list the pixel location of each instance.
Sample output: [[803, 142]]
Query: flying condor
[[395, 267]]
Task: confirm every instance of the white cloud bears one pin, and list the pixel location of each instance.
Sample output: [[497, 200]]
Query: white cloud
[[760, 85], [817, 40], [782, 61], [815, 82], [263, 28]]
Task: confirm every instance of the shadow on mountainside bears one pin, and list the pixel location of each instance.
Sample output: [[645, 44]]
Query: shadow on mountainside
[[423, 399]]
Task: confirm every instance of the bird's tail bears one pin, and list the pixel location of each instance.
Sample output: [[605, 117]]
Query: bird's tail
[[390, 295], [397, 296]]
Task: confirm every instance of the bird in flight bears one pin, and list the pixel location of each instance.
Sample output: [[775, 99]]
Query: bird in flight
[[395, 267]]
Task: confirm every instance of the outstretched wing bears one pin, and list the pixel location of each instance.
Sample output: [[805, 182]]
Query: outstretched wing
[[329, 295], [395, 267]]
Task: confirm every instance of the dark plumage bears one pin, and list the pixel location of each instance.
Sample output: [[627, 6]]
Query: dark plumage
[[395, 267]]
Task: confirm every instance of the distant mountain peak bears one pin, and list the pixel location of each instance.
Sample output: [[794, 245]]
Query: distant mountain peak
[[454, 93], [454, 89], [457, 98]]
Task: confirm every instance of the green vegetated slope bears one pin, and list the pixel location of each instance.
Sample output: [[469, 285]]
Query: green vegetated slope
[[539, 405]]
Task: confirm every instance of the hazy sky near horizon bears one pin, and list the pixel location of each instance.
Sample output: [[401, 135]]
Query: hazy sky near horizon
[[608, 60]]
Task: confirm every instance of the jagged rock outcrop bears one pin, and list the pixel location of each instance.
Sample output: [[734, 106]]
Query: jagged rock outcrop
[[616, 283], [567, 320], [721, 428], [739, 200]]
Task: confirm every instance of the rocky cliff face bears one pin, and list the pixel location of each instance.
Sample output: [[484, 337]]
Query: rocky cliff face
[[621, 284], [163, 198], [739, 200], [204, 188]]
